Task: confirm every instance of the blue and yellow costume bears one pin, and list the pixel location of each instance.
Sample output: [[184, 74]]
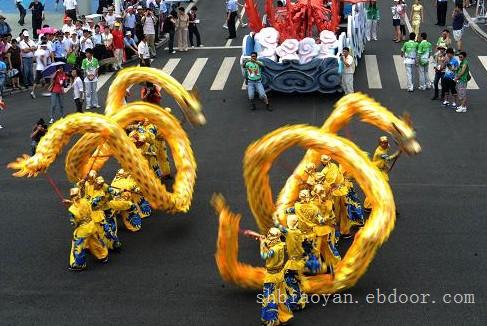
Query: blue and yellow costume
[[122, 204], [160, 148], [103, 215], [85, 235], [310, 220], [294, 267], [274, 310]]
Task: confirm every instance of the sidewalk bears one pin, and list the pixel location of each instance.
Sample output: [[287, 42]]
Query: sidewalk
[[478, 25]]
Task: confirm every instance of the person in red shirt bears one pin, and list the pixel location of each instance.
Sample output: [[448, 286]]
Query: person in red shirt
[[57, 91], [118, 46]]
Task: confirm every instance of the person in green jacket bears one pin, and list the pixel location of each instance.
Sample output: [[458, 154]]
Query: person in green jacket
[[408, 52], [373, 17], [424, 54]]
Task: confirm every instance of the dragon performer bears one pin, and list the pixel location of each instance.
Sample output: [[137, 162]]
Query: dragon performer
[[295, 20], [318, 141], [104, 136]]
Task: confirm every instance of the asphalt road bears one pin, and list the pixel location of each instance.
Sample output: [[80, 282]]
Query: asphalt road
[[166, 274]]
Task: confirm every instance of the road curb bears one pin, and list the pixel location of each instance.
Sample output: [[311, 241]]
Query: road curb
[[474, 25]]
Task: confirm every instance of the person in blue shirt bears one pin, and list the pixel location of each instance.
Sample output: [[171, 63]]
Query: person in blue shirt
[[4, 26], [448, 85], [59, 49], [3, 76], [130, 45]]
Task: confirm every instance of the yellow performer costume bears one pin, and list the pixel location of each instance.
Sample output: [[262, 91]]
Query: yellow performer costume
[[293, 270], [160, 149], [87, 184], [86, 235], [272, 250], [123, 204], [318, 141], [382, 160]]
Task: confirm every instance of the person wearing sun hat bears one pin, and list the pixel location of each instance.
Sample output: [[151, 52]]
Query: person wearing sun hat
[[4, 26]]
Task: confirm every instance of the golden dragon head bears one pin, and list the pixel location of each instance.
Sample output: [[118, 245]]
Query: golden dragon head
[[405, 136]]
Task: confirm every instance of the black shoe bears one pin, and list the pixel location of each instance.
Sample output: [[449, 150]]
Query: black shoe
[[268, 107], [104, 260], [252, 106], [434, 98], [230, 37]]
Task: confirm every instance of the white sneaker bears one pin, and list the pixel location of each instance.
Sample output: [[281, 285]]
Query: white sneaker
[[51, 121], [88, 108], [445, 103], [97, 106], [225, 26], [32, 95], [201, 46], [461, 109], [1, 127], [454, 105], [422, 88], [244, 24], [410, 90]]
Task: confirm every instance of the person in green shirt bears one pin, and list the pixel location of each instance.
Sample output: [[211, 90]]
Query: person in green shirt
[[408, 52], [253, 79], [90, 68], [462, 77], [424, 54], [373, 17]]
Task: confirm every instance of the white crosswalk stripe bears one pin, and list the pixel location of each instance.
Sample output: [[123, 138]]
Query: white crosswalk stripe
[[194, 73], [401, 71], [378, 77], [171, 65], [222, 74], [372, 69]]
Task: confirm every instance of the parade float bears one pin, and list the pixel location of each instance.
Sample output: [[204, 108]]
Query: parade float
[[300, 43]]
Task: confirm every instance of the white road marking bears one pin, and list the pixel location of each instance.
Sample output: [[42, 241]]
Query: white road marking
[[401, 71], [472, 84], [170, 65], [372, 69], [102, 80], [194, 73], [223, 73]]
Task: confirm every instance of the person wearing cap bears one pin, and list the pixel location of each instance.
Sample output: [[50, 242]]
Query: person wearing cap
[[90, 68], [139, 26], [4, 26], [59, 51], [22, 11], [27, 48], [383, 161], [37, 9], [89, 25], [130, 45], [41, 55], [71, 8], [118, 46], [68, 25], [128, 18]]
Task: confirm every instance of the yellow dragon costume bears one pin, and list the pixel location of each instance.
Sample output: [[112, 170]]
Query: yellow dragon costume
[[257, 163], [104, 136]]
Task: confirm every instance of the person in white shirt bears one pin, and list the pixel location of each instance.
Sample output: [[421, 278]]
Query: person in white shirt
[[144, 52], [27, 48], [78, 90], [67, 41], [68, 25], [110, 17], [71, 8], [86, 42], [41, 56], [149, 22], [348, 70]]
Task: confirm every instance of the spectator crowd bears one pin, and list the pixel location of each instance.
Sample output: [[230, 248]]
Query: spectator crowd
[[83, 47]]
